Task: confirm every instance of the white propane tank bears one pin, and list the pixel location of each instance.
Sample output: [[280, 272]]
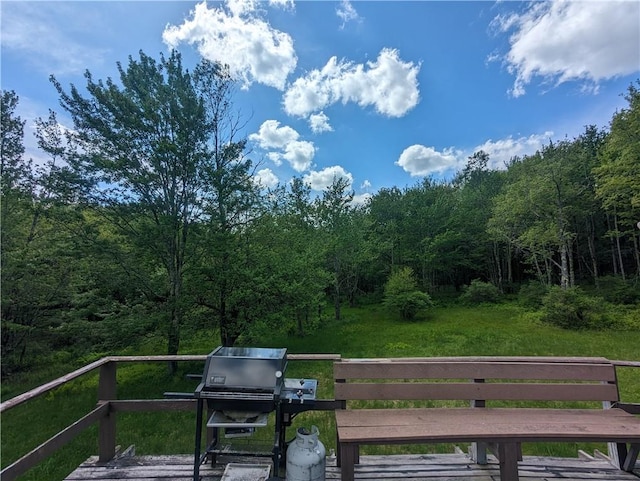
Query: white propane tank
[[306, 457]]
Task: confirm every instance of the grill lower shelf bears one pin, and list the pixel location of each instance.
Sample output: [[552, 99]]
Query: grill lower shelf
[[220, 420], [243, 447]]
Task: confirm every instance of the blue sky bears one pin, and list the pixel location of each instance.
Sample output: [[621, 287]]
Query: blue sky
[[383, 93]]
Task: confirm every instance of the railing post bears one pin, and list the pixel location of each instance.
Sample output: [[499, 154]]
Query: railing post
[[107, 391], [479, 449]]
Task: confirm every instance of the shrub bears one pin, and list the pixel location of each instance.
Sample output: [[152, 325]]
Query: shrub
[[532, 293], [619, 291], [479, 292], [401, 294], [572, 309]]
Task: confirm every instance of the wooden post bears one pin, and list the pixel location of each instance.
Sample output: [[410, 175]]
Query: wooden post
[[508, 453], [617, 451], [107, 391], [479, 449]]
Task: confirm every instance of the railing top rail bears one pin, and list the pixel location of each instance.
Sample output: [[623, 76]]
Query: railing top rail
[[626, 363], [44, 388], [15, 401]]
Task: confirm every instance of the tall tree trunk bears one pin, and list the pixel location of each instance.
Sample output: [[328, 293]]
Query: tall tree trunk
[[636, 251], [614, 262], [175, 316], [541, 275], [498, 266], [572, 273], [619, 249], [564, 265], [591, 243], [336, 288]]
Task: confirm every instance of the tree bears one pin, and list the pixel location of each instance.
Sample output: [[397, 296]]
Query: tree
[[476, 189], [232, 201], [287, 262], [334, 213], [618, 175], [146, 150], [39, 260], [14, 170], [401, 294], [536, 210]]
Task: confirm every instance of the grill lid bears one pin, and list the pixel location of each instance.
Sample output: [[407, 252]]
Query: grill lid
[[244, 369]]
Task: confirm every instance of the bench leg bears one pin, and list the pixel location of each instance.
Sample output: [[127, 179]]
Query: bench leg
[[630, 460], [479, 452], [508, 453], [349, 457]]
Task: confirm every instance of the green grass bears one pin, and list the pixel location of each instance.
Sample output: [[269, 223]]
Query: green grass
[[364, 332]]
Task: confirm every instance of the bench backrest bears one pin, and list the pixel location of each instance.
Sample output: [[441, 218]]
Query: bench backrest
[[476, 379]]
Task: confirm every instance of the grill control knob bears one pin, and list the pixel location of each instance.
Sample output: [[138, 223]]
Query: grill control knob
[[278, 374]]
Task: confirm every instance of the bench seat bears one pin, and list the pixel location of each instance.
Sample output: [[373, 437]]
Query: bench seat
[[481, 380], [433, 425]]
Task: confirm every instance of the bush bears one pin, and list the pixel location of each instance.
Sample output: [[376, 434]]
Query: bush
[[572, 309], [480, 292], [401, 294], [531, 294], [617, 290]]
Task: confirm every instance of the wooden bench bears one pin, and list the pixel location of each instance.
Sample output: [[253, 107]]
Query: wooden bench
[[506, 396]]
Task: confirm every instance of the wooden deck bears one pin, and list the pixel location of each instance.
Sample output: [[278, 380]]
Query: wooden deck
[[431, 467]]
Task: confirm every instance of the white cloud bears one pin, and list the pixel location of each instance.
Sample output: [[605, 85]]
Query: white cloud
[[321, 180], [346, 13], [366, 185], [271, 135], [239, 37], [361, 199], [388, 83], [34, 30], [298, 153], [503, 150], [319, 123], [275, 157], [286, 4], [561, 41], [266, 178], [418, 160]]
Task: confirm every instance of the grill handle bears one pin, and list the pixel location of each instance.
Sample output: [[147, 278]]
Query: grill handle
[[179, 395]]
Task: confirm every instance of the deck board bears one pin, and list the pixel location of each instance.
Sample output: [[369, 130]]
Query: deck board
[[427, 467]]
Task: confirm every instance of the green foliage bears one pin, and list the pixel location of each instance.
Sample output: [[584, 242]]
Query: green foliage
[[479, 292], [401, 294], [571, 308], [154, 225], [618, 175], [531, 294], [618, 290]]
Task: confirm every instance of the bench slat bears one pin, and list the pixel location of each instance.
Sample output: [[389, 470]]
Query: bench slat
[[472, 391], [365, 426], [410, 416], [474, 359], [547, 371]]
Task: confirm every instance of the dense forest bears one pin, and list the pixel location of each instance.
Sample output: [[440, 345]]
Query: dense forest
[[146, 219]]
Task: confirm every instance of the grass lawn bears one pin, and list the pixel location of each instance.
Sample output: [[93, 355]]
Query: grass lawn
[[363, 332]]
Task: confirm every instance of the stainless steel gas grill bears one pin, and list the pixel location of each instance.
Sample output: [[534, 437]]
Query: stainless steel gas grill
[[240, 386]]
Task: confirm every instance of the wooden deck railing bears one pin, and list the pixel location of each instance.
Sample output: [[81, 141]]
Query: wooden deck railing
[[107, 406]]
